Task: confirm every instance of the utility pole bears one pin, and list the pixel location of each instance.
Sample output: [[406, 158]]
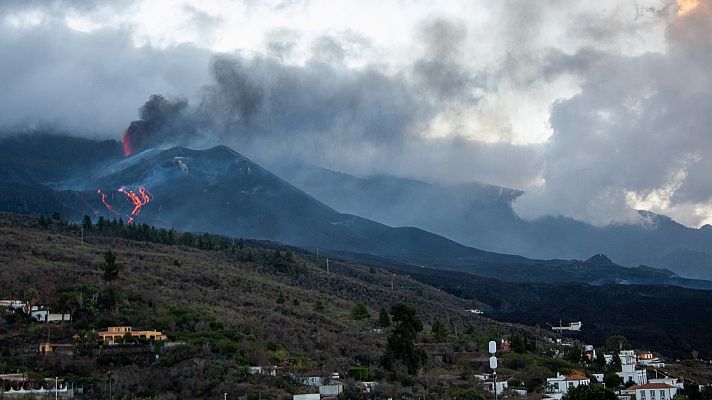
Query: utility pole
[[56, 394], [327, 266], [82, 236], [393, 278]]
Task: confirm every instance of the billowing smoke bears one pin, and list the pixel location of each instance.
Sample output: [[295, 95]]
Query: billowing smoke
[[638, 136], [163, 121]]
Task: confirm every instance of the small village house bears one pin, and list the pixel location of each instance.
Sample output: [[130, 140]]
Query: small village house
[[116, 334], [655, 391], [559, 385]]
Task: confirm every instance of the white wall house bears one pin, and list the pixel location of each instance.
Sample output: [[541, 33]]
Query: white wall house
[[309, 396], [487, 382], [628, 372], [42, 314], [655, 391], [331, 390], [649, 360], [562, 383]]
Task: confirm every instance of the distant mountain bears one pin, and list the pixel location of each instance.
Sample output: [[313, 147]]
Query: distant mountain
[[482, 216], [218, 190]]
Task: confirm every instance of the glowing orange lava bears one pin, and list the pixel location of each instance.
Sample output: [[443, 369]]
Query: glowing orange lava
[[127, 144], [138, 199], [685, 6], [103, 200]]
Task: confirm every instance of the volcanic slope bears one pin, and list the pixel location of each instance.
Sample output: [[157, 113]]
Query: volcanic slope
[[219, 190]]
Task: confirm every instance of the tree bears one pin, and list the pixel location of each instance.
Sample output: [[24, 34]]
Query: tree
[[86, 223], [589, 392], [401, 342], [110, 268], [440, 332], [360, 312], [615, 362], [616, 343], [612, 380], [384, 319], [600, 360], [520, 344], [574, 354]]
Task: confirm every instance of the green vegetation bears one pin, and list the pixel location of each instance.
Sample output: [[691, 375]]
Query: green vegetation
[[360, 312], [401, 351], [589, 392], [109, 267], [384, 319], [226, 307]]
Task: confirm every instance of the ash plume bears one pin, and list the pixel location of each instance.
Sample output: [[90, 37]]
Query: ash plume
[[163, 121]]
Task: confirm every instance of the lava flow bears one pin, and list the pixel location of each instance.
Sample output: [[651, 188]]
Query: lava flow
[[127, 144], [138, 199], [103, 200]]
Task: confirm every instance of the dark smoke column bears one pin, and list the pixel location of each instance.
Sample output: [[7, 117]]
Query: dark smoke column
[[162, 121]]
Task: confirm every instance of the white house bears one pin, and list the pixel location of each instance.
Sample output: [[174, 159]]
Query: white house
[[309, 396], [629, 362], [331, 390], [669, 381], [655, 391], [649, 360], [562, 383], [573, 326], [42, 314], [12, 304], [487, 382]]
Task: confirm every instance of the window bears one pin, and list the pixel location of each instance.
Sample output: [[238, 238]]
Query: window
[[642, 395], [662, 395], [571, 384], [652, 394]]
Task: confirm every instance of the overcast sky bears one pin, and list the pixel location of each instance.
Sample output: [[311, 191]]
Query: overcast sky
[[593, 108]]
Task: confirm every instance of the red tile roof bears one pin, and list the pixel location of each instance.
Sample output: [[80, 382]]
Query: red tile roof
[[655, 386], [576, 378]]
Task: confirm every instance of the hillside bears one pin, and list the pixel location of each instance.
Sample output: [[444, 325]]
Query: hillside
[[671, 320], [232, 307], [482, 216]]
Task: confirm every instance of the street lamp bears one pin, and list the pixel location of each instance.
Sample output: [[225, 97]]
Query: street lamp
[[493, 364], [56, 394]]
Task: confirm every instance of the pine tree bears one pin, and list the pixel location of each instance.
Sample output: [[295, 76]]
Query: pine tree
[[384, 319], [110, 268]]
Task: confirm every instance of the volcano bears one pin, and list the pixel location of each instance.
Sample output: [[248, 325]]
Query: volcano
[[221, 191], [218, 190]]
